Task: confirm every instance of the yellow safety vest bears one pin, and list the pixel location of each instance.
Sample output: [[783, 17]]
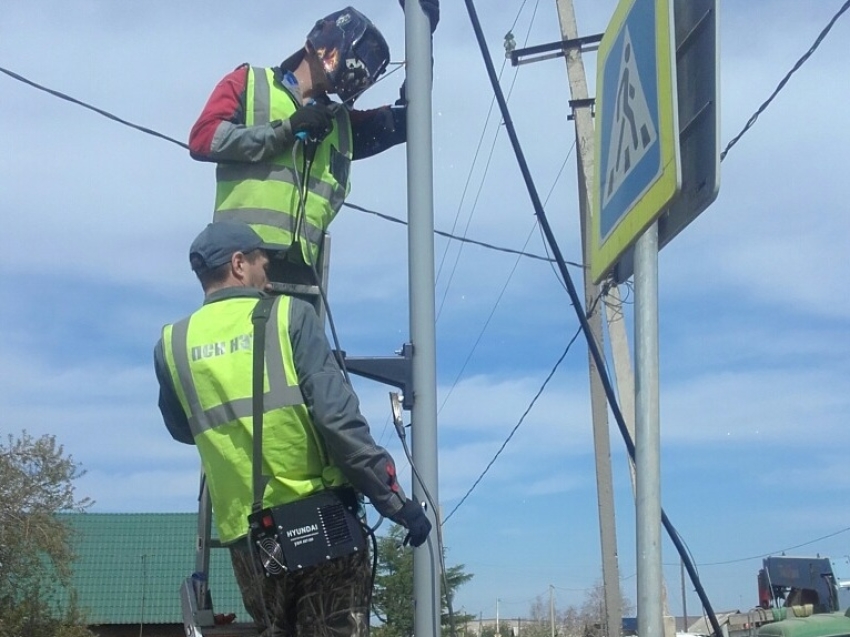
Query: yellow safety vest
[[266, 194], [209, 357]]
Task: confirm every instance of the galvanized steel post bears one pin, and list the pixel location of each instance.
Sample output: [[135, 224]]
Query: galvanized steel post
[[420, 214]]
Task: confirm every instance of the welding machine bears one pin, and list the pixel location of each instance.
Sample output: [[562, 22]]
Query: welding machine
[[307, 532]]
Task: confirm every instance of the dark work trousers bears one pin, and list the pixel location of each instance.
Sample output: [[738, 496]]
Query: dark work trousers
[[328, 600]]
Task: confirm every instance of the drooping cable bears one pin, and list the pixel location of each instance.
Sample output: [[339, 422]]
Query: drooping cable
[[593, 346], [441, 233], [302, 180], [155, 133], [459, 375], [483, 176], [779, 551], [517, 426], [787, 77], [477, 151], [438, 527], [99, 111]]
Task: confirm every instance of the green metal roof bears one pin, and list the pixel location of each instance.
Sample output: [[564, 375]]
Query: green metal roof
[[130, 567]]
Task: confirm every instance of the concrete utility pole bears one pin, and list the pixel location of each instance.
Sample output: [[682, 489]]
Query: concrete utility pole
[[420, 206], [592, 292], [552, 609], [617, 335]]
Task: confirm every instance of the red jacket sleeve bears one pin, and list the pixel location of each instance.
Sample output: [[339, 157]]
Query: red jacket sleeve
[[226, 104], [220, 133]]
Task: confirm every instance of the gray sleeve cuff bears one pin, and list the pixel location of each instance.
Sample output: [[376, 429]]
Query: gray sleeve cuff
[[283, 134]]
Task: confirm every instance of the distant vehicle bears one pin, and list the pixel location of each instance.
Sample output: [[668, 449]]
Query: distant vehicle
[[793, 590], [816, 602], [800, 581]]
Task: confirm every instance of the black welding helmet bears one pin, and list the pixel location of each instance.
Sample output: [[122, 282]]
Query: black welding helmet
[[352, 50]]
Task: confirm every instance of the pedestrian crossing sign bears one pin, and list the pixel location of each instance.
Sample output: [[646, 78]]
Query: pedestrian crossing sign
[[637, 138]]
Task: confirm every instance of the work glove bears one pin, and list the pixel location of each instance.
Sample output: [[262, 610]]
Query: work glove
[[431, 9], [412, 517], [312, 120]]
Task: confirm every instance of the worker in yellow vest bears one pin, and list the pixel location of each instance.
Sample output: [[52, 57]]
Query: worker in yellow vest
[[314, 436], [283, 147]]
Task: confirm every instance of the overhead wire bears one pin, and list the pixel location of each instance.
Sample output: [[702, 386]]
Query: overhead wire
[[552, 263], [448, 235], [787, 77], [469, 179], [516, 427], [486, 168], [752, 120], [150, 131], [593, 346], [97, 110], [789, 548], [504, 288]]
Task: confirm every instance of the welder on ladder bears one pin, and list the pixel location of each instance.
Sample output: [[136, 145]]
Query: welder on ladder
[[283, 147]]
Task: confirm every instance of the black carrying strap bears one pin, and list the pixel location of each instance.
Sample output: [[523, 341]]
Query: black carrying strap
[[259, 318]]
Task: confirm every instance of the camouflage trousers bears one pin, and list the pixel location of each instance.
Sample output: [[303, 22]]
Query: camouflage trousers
[[328, 600]]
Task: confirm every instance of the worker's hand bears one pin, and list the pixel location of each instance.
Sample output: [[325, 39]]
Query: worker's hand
[[431, 9], [412, 517], [313, 120]]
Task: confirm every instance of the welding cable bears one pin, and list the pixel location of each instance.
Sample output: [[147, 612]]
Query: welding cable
[[302, 181], [438, 527]]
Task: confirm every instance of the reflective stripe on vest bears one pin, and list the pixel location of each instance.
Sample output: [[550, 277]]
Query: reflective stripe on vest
[[279, 395], [266, 194], [210, 359]]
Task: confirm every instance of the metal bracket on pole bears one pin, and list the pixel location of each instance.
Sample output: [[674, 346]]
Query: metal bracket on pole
[[390, 370], [555, 49], [589, 102]]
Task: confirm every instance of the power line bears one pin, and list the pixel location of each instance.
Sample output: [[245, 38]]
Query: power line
[[486, 169], [151, 131], [514, 430], [469, 176], [484, 327], [489, 246], [785, 79], [504, 289], [99, 111], [790, 548]]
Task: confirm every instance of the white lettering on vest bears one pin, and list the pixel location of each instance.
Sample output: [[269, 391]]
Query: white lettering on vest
[[220, 348], [241, 342]]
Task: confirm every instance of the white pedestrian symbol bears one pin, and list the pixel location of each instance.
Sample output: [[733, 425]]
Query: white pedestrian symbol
[[633, 130]]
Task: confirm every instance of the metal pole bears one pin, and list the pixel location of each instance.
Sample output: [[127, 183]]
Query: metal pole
[[420, 207], [648, 438]]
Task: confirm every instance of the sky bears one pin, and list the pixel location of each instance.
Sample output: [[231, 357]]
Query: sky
[[753, 318]]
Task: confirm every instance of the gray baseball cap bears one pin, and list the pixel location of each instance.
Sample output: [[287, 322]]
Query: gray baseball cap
[[219, 241]]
